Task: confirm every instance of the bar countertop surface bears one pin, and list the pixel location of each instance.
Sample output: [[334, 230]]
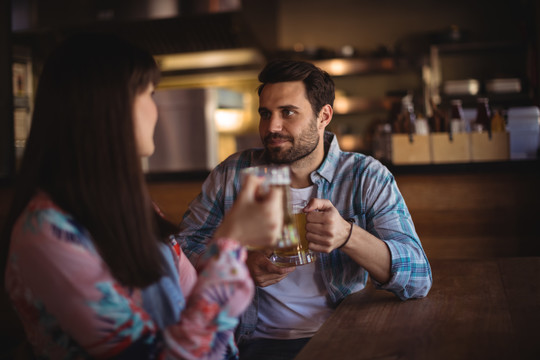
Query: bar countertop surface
[[476, 309]]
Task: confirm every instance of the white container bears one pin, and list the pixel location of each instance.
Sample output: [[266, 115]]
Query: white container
[[498, 86], [461, 87], [524, 128], [523, 111]]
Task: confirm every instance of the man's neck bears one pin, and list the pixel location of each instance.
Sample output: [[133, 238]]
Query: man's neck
[[302, 169]]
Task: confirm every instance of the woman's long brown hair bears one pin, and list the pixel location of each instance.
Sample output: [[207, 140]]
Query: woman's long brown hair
[[82, 152]]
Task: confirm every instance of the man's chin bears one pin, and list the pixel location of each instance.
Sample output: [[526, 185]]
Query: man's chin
[[276, 156]]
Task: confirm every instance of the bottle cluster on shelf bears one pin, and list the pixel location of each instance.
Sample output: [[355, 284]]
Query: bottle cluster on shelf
[[403, 118], [452, 134]]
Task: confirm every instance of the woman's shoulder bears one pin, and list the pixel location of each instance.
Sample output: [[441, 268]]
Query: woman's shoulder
[[44, 220]]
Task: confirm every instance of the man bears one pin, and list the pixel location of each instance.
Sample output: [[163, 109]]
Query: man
[[357, 220]]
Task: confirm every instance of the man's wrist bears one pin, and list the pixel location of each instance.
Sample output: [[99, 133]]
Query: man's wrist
[[350, 233]]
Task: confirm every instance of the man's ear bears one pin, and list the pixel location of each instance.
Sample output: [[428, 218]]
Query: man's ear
[[325, 116]]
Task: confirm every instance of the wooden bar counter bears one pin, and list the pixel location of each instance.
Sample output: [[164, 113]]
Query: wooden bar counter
[[476, 309]]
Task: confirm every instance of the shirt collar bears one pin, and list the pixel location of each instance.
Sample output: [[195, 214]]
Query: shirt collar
[[328, 167]]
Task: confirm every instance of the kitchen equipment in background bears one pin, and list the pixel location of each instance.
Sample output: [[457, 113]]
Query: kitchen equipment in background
[[502, 86], [197, 128], [185, 137], [229, 114], [461, 87]]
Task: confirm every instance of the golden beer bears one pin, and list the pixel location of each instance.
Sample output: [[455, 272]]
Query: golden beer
[[277, 176], [298, 254]]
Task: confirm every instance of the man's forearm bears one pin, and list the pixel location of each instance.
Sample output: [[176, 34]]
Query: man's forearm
[[369, 252]]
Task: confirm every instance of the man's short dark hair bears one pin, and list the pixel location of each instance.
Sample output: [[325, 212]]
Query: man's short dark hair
[[319, 85]]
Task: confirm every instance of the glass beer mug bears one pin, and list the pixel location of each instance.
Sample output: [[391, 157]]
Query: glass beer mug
[[289, 250], [299, 254]]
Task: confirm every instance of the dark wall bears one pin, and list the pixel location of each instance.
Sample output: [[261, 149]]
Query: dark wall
[[6, 99]]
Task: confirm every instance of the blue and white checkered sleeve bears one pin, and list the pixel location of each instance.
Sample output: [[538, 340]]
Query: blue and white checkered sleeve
[[203, 216], [391, 221]]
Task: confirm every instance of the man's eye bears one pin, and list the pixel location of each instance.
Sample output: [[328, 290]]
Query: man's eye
[[264, 115], [288, 113]]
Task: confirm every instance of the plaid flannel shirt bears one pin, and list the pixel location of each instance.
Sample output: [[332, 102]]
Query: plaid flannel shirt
[[360, 188]]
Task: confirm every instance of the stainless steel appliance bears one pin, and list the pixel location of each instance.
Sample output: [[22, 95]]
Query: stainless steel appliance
[[185, 135]]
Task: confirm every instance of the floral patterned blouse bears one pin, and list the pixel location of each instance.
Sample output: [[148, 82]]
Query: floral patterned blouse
[[72, 307]]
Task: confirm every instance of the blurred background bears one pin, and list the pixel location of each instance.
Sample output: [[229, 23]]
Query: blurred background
[[210, 52], [400, 68]]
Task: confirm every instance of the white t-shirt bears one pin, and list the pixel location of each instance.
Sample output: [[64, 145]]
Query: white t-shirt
[[296, 306]]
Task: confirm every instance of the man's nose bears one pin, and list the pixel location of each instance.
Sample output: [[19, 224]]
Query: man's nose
[[275, 124]]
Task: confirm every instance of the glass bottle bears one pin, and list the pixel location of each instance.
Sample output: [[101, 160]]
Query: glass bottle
[[394, 117], [497, 122], [437, 122], [422, 127], [409, 117], [457, 118], [483, 116], [382, 148]]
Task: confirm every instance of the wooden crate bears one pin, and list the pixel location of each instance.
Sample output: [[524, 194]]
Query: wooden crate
[[410, 149], [450, 150], [484, 148]]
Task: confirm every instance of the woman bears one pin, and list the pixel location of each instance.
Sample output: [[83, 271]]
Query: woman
[[91, 270]]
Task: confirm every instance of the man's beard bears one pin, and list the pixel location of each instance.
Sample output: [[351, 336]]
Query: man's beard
[[307, 143]]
